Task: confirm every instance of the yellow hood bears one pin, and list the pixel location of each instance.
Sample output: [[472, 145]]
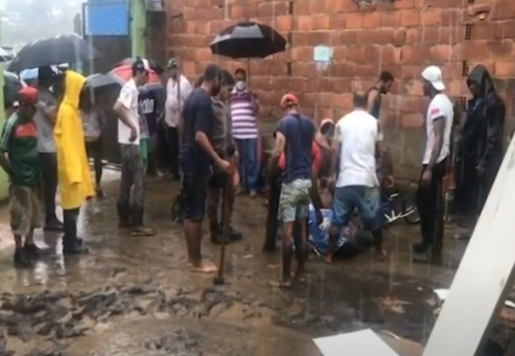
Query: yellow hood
[[73, 83]]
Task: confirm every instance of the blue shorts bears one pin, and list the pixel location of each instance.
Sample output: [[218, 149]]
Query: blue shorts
[[365, 199], [194, 190]]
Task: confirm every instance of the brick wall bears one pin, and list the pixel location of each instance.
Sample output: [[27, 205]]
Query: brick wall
[[401, 36]]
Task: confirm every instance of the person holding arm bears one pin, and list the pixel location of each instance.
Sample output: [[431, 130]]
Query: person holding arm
[[430, 196], [133, 167], [197, 155]]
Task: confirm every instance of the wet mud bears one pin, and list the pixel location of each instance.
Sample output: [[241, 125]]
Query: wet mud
[[135, 296]]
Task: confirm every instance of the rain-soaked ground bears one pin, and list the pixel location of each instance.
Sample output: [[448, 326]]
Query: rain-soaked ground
[[135, 296]]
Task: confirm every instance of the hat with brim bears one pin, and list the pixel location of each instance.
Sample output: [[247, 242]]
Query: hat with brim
[[433, 75]]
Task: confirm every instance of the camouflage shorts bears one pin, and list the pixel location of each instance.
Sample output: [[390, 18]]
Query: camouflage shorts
[[26, 209], [294, 201]]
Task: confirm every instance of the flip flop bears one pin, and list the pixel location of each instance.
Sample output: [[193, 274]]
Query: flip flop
[[282, 285]]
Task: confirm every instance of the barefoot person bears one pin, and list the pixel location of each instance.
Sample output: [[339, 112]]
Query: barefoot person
[[72, 163], [294, 136], [357, 187], [19, 159], [196, 159]]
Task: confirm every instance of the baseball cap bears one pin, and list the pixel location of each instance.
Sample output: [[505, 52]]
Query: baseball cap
[[433, 75], [141, 65], [28, 95], [289, 100], [172, 62]]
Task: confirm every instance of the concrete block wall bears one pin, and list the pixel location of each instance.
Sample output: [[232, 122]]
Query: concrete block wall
[[401, 36]]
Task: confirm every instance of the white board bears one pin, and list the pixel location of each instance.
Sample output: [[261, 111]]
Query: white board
[[485, 273], [359, 343]]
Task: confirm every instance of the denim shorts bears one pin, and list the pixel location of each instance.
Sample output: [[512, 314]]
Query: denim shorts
[[366, 200]]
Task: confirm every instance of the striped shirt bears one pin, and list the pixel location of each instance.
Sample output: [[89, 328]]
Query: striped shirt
[[243, 117]]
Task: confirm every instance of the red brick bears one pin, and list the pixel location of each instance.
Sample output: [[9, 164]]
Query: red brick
[[337, 21], [410, 18], [347, 37], [414, 55], [371, 20], [366, 71], [412, 120], [389, 54], [503, 10], [444, 3], [404, 4], [506, 29], [299, 39], [356, 54], [485, 30], [341, 85], [320, 22], [316, 38], [430, 17], [354, 20], [440, 54], [410, 104], [283, 23], [343, 69], [301, 8], [316, 6], [475, 50], [237, 12], [399, 38], [451, 17], [390, 19], [304, 23], [500, 49], [432, 35], [334, 6], [339, 53], [415, 87], [413, 36]]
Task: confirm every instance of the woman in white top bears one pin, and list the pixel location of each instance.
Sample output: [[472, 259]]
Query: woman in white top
[[92, 122]]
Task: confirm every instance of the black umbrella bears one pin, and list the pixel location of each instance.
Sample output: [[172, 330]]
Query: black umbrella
[[97, 81], [153, 65], [248, 40], [66, 48]]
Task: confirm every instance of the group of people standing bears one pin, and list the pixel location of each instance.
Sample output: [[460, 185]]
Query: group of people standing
[[212, 135]]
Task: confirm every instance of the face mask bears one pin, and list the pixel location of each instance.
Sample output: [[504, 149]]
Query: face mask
[[241, 86]]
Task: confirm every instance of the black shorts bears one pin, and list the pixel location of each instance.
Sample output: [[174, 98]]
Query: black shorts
[[194, 190], [218, 180]]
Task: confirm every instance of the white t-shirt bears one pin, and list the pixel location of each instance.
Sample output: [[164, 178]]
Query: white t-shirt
[[440, 106], [129, 99], [177, 91], [357, 133]]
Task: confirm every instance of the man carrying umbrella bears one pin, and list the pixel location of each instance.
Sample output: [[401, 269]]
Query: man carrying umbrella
[[45, 120], [197, 156], [177, 90], [133, 167]]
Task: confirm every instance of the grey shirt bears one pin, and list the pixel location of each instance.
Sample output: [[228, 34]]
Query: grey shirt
[[44, 126], [222, 129]]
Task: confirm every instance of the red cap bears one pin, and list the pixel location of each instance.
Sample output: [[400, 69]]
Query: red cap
[[289, 100], [28, 95]]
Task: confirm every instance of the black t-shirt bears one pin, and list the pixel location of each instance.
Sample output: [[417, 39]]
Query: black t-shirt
[[148, 104], [198, 115]]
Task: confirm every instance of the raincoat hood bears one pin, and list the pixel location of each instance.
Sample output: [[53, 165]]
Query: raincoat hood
[[480, 76], [73, 83]]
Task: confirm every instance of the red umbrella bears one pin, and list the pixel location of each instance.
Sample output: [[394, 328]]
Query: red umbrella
[[124, 73]]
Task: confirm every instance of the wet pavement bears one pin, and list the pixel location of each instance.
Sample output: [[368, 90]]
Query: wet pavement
[[135, 296]]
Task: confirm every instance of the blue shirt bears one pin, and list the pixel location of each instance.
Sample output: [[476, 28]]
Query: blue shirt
[[299, 132]]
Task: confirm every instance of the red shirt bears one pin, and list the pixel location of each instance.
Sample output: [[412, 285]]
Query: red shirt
[[316, 158]]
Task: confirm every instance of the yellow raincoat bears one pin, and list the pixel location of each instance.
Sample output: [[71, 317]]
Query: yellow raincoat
[[72, 164]]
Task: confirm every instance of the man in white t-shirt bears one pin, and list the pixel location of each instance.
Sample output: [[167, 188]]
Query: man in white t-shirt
[[133, 168], [430, 197], [356, 140]]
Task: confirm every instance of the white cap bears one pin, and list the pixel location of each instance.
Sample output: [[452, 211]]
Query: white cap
[[433, 75]]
